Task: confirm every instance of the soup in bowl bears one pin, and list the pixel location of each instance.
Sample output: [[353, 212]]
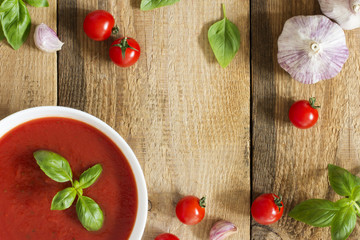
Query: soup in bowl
[[26, 192]]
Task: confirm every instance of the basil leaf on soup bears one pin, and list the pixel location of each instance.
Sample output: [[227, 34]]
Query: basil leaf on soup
[[89, 213], [315, 212], [88, 177], [38, 3], [341, 180], [63, 199], [343, 224], [224, 39], [152, 4], [15, 21], [53, 165]]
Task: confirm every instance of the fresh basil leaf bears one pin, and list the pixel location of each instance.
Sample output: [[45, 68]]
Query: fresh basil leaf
[[38, 3], [16, 22], [341, 180], [89, 213], [88, 177], [343, 223], [152, 4], [315, 212], [224, 39], [355, 195], [63, 199], [53, 165]]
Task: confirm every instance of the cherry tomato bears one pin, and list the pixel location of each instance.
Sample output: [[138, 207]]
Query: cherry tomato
[[167, 236], [303, 114], [190, 210], [98, 25], [124, 52], [267, 208]]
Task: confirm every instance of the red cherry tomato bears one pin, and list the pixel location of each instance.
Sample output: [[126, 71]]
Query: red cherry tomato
[[124, 52], [190, 210], [267, 209], [303, 114], [98, 25], [167, 236]]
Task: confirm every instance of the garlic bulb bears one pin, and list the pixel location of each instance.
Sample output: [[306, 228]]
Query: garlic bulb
[[312, 48], [345, 12], [46, 39], [222, 229]]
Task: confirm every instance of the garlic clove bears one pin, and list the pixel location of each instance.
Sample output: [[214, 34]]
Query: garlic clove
[[312, 48], [222, 229], [46, 39], [345, 12]]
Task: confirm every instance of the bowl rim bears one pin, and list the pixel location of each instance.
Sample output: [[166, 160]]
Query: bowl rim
[[15, 119]]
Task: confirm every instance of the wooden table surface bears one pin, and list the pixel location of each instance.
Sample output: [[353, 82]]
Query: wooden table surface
[[197, 128]]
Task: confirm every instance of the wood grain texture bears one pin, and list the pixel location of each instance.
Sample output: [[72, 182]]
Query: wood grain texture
[[185, 117], [292, 161], [28, 77]]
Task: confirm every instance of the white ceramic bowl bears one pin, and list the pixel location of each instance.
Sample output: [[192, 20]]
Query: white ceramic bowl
[[23, 116]]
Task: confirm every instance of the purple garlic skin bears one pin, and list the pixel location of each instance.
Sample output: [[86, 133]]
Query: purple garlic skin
[[222, 229], [312, 48], [345, 12], [46, 39]]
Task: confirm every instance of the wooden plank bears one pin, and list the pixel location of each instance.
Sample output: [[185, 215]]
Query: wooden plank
[[185, 117], [287, 160], [28, 76]]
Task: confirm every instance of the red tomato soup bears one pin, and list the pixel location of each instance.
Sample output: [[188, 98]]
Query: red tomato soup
[[26, 192]]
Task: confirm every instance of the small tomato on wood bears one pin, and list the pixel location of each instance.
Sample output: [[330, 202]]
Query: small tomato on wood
[[304, 114], [267, 208], [124, 52], [98, 25], [190, 210]]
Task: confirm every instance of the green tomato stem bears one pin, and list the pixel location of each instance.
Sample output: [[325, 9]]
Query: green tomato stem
[[312, 103], [202, 202]]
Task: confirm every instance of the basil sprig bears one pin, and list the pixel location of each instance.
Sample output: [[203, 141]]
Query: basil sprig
[[339, 215], [152, 4], [224, 38], [15, 21], [58, 169]]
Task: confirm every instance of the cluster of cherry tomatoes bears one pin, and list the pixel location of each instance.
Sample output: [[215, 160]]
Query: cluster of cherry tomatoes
[[190, 210], [98, 25], [124, 52]]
